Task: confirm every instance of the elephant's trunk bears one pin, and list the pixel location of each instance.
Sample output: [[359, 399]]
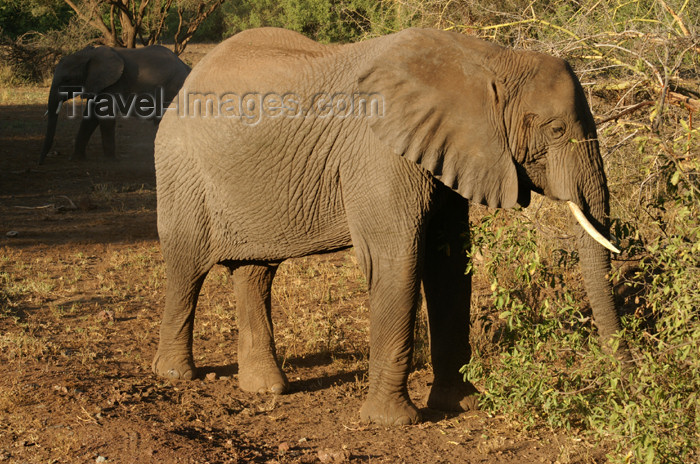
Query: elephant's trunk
[[593, 198], [53, 109]]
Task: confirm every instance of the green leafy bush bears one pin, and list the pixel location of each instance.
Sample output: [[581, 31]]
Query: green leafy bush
[[17, 17], [322, 20], [551, 371]]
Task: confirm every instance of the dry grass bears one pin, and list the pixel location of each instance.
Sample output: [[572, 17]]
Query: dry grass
[[23, 95]]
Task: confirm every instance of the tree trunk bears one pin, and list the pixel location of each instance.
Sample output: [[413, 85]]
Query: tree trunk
[[128, 30]]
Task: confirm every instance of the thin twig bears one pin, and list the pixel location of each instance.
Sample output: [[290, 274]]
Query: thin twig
[[629, 110], [676, 18], [70, 202], [36, 207]]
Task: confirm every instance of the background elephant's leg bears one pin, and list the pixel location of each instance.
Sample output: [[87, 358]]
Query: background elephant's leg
[[174, 357], [447, 292], [107, 129], [258, 369], [87, 127]]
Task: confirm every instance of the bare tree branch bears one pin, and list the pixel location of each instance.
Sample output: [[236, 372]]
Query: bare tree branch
[[201, 14], [90, 18], [143, 18]]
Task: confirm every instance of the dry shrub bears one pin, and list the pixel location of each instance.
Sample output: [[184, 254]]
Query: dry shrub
[[32, 57]]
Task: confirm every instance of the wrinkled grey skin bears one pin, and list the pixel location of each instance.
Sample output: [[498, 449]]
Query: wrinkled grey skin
[[115, 71], [464, 120]]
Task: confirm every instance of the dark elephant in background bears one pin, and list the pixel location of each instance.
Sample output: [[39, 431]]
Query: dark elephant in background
[[119, 73], [379, 145]]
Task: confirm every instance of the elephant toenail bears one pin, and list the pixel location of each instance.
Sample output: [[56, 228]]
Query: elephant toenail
[[277, 389]]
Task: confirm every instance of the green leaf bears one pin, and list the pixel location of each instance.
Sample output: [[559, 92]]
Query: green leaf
[[676, 178]]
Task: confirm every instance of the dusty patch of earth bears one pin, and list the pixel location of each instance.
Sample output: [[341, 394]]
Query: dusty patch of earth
[[81, 293]]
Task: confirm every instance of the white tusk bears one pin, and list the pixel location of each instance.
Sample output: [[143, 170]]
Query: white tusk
[[588, 227], [60, 104]]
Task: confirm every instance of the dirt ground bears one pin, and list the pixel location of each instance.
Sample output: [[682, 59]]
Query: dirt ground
[[81, 293]]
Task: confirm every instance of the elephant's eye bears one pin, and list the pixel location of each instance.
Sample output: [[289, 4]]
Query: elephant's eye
[[557, 128]]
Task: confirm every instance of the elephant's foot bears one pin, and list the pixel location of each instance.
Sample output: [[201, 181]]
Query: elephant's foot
[[262, 378], [459, 396], [174, 366], [385, 411]]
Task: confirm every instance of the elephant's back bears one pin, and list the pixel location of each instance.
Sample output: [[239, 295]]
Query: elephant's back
[[271, 40], [247, 57], [263, 92]]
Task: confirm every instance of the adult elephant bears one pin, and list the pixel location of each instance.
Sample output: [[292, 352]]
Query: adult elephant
[[379, 145], [120, 76]]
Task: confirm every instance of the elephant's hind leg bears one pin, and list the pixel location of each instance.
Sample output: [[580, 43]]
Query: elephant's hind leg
[[174, 357], [258, 369], [447, 290]]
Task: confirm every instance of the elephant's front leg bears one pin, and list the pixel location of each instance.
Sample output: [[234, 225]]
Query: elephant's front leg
[[107, 131], [258, 369], [87, 127], [394, 290], [447, 289]]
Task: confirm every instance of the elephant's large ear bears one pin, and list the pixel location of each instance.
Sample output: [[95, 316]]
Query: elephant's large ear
[[443, 109], [104, 68]]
